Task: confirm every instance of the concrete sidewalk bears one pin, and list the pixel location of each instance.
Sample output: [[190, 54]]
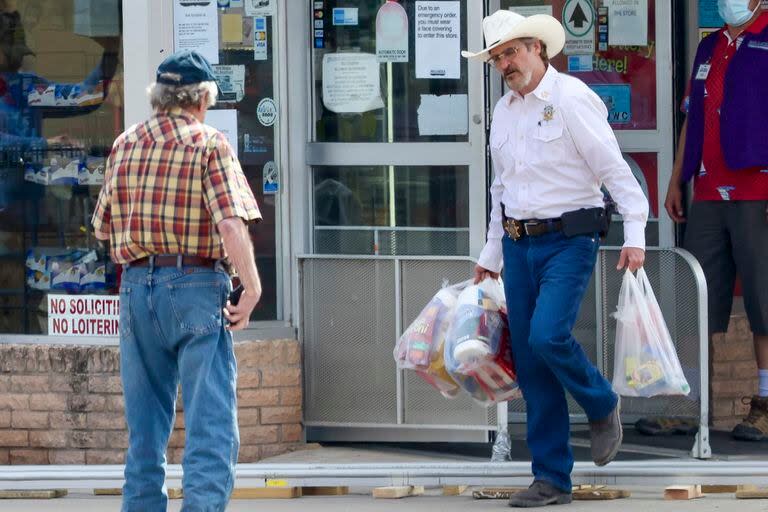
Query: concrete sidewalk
[[642, 500]]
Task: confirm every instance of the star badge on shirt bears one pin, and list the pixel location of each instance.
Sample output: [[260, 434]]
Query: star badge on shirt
[[549, 113]]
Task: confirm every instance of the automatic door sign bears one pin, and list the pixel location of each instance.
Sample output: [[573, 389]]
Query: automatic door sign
[[392, 33], [579, 22]]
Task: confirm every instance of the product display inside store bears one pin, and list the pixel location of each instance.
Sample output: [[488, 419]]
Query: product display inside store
[[60, 110]]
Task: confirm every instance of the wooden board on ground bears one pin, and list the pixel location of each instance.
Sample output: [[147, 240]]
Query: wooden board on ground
[[454, 490], [108, 492], [600, 493], [718, 489], [398, 491], [324, 491], [33, 494], [270, 493], [175, 494], [495, 493], [752, 494], [682, 492], [587, 487]]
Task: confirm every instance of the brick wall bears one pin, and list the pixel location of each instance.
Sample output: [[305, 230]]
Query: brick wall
[[63, 404], [733, 373]]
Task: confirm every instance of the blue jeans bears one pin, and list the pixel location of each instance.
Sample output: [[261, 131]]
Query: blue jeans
[[172, 330], [545, 278]]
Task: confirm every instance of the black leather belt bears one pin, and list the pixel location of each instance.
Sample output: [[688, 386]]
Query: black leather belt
[[173, 260], [517, 229]]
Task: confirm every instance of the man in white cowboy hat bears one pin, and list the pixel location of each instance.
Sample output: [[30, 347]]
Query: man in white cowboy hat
[[552, 150]]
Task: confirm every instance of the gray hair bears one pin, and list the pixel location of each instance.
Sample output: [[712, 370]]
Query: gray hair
[[165, 97], [529, 42]]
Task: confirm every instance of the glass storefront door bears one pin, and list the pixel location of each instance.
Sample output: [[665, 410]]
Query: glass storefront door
[[391, 92]]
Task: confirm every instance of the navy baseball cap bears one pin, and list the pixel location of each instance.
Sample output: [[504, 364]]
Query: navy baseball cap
[[186, 67]]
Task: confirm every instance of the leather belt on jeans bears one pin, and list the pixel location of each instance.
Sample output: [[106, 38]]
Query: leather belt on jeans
[[173, 260], [517, 229]]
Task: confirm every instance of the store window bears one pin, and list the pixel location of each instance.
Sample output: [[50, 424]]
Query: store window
[[61, 107], [388, 71], [380, 210]]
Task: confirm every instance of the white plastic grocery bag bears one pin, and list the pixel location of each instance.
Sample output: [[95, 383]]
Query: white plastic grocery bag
[[645, 362], [420, 347]]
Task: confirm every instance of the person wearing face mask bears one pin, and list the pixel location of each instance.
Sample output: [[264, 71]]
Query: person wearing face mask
[[723, 150]]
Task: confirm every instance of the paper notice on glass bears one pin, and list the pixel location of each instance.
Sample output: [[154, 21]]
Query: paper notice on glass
[[196, 27], [628, 23], [231, 81], [226, 122], [438, 31], [351, 82], [530, 10], [231, 28], [259, 7], [443, 115], [392, 33]]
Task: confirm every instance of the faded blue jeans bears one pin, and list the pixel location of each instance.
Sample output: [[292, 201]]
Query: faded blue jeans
[[172, 330], [545, 278]]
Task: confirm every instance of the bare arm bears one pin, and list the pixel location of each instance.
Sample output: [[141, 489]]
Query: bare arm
[[237, 244], [674, 201]]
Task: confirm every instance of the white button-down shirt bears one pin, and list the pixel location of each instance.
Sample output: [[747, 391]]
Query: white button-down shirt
[[552, 150]]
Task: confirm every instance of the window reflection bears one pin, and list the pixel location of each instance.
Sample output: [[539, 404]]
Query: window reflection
[[391, 210], [60, 110]]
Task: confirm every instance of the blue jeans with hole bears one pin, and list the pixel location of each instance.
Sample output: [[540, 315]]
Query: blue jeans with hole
[[545, 278], [172, 331]]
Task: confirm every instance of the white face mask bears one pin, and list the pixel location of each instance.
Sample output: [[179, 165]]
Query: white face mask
[[736, 12]]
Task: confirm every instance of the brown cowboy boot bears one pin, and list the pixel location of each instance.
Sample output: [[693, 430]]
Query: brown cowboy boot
[[755, 425]]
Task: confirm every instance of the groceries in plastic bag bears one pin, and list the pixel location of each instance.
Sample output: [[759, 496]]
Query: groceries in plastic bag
[[477, 351], [645, 362], [420, 348]]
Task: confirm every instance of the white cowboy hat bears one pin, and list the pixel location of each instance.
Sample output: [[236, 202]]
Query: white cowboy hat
[[504, 26]]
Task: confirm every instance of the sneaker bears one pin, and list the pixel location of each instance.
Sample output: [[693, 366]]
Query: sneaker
[[755, 425], [662, 426], [606, 436], [540, 494]]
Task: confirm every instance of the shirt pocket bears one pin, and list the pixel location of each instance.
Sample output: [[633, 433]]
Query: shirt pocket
[[548, 131]]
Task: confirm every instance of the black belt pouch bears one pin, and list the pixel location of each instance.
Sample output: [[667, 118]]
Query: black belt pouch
[[586, 221]]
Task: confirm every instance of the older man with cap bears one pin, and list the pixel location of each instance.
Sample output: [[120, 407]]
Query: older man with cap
[[174, 207], [552, 151]]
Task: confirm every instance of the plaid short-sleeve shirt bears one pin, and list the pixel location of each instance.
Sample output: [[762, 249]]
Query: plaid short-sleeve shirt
[[168, 182]]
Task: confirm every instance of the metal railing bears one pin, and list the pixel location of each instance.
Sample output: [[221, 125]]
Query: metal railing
[[353, 309]]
